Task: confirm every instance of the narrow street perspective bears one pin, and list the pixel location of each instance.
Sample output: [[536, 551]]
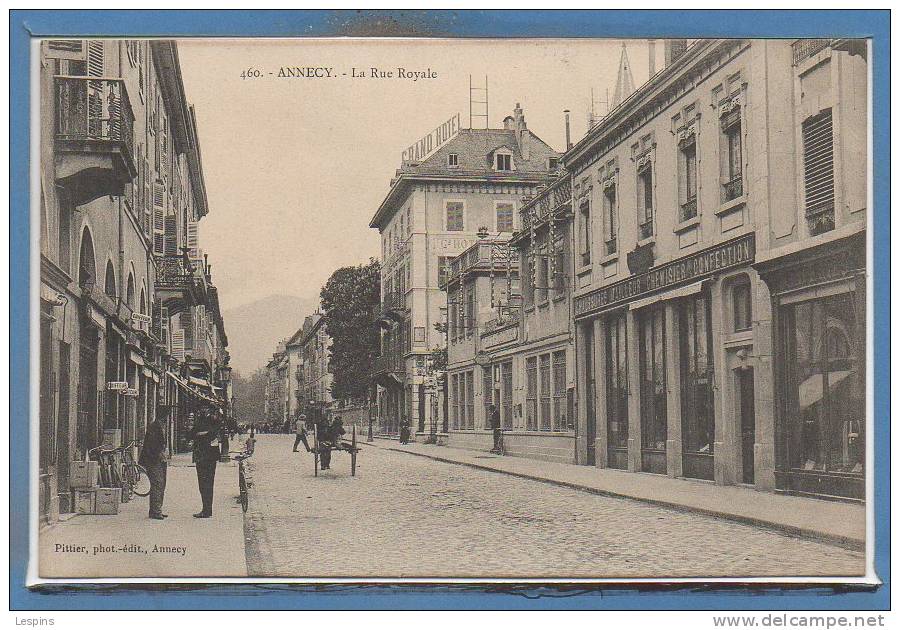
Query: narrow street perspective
[[405, 516]]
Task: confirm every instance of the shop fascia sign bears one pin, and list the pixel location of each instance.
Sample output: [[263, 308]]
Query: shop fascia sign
[[738, 251], [117, 386], [431, 142]]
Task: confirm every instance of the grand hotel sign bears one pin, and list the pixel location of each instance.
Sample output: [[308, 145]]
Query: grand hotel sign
[[738, 251], [430, 143]]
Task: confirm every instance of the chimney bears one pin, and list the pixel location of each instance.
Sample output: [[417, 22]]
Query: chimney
[[568, 132], [651, 57], [522, 133], [674, 48]]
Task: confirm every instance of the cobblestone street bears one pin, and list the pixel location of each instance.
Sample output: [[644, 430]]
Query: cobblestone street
[[409, 516]]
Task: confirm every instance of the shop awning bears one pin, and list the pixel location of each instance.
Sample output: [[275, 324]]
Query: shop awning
[[202, 382]]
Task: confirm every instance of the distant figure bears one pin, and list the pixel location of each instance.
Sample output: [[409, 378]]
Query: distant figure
[[495, 425], [300, 428], [404, 433], [153, 459]]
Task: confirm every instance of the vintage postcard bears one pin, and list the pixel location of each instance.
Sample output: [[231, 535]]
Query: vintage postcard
[[448, 310]]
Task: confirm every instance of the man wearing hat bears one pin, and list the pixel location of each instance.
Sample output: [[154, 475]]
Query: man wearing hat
[[300, 428], [153, 459]]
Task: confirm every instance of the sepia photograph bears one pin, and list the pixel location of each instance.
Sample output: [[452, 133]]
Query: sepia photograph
[[452, 310]]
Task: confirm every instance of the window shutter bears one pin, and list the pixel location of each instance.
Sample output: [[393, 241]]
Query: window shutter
[[171, 236], [178, 344], [155, 323], [818, 163], [193, 239], [164, 146], [94, 58], [187, 326], [159, 222]]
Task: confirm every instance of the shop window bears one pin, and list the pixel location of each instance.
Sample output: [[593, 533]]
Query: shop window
[[545, 381], [697, 414], [560, 417], [487, 394], [818, 176], [454, 401], [687, 178], [645, 201], [506, 395], [470, 399], [610, 219], [616, 387], [531, 390], [455, 216], [825, 415], [505, 211], [742, 307], [654, 429], [584, 232]]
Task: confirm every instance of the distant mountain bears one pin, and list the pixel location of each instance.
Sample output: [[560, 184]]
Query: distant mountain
[[255, 329]]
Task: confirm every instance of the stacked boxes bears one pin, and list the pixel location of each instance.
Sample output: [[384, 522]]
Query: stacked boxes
[[112, 438], [89, 497], [84, 475], [107, 500], [85, 501]]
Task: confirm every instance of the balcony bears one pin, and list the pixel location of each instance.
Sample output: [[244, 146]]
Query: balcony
[[483, 256], [94, 129], [688, 210], [551, 200], [388, 369], [179, 284], [804, 48], [392, 309], [732, 189]]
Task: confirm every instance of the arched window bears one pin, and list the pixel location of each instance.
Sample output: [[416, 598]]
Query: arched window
[[129, 292], [87, 269], [143, 302], [110, 284]]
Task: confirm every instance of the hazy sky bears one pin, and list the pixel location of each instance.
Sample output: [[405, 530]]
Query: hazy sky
[[296, 167]]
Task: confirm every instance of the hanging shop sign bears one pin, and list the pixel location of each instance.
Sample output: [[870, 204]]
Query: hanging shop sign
[[134, 392], [140, 318], [433, 141], [738, 251], [117, 386]]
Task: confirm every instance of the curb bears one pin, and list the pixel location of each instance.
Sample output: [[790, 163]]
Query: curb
[[845, 542]]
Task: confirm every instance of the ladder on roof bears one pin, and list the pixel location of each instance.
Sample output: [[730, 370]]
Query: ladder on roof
[[474, 94]]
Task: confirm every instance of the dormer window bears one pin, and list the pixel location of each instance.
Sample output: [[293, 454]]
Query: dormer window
[[453, 160], [553, 163], [503, 162]]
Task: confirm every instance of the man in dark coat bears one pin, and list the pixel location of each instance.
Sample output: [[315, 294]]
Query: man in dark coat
[[498, 433], [205, 433], [153, 459]]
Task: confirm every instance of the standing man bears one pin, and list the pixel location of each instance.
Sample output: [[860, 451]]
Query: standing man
[[205, 434], [153, 459], [300, 428], [495, 425]]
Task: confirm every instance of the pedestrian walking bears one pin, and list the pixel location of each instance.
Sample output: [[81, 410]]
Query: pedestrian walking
[[204, 433], [404, 433], [300, 428], [153, 459]]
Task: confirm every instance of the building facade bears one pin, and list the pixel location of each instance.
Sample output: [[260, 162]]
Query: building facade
[[439, 200], [720, 216], [118, 147]]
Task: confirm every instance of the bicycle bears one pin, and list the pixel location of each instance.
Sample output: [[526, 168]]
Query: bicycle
[[105, 458], [240, 456], [134, 475]]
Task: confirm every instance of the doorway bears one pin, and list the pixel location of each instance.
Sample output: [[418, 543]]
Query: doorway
[[747, 413], [590, 386]]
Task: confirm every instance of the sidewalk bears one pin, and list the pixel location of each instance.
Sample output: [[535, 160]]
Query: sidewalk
[[136, 546], [839, 523]]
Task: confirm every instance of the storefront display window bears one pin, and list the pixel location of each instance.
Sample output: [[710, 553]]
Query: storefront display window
[[697, 411], [654, 430], [826, 386], [616, 391]]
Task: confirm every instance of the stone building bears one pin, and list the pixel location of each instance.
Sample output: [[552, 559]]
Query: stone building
[[720, 306], [118, 156], [451, 184]]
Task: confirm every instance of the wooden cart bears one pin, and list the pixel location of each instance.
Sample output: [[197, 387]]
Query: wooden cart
[[339, 445]]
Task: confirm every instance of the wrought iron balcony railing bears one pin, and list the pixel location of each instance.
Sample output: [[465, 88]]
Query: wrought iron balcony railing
[[803, 48], [733, 189], [688, 210], [96, 109], [175, 272]]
